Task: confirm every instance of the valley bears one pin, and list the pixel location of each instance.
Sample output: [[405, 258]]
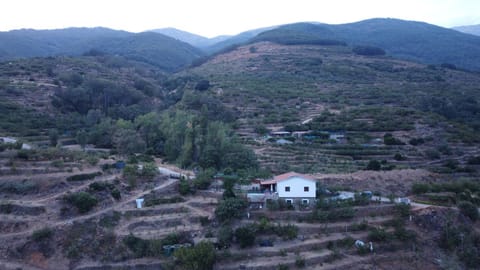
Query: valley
[[144, 152]]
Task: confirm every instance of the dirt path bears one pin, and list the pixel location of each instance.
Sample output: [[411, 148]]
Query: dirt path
[[118, 206]]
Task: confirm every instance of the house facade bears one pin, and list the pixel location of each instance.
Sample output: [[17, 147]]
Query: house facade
[[292, 187]]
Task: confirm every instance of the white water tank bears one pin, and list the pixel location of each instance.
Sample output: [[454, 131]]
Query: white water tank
[[139, 202]]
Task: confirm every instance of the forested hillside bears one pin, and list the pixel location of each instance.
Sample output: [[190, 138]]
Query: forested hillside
[[153, 48]]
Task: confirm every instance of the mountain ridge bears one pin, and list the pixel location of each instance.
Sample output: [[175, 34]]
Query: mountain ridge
[[153, 48], [469, 29]]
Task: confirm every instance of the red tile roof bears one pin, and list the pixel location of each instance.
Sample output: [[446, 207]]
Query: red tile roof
[[286, 176]]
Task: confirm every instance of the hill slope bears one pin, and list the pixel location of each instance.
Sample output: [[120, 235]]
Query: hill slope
[[329, 90], [410, 40], [156, 49]]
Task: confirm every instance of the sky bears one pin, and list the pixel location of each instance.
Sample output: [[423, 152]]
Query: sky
[[216, 17]]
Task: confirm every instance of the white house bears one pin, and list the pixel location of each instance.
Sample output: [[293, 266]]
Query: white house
[[292, 187]]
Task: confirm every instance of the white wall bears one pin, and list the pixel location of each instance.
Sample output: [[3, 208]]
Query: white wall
[[296, 185]]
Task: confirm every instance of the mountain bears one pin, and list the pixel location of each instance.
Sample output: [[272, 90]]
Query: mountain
[[157, 49], [237, 39], [410, 40], [469, 29], [192, 39]]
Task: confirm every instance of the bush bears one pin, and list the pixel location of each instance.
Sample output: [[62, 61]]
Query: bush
[[225, 236], [84, 176], [420, 188], [116, 194], [378, 234], [469, 209], [184, 187], [42, 234], [287, 232], [300, 262], [230, 208], [83, 201], [388, 139], [202, 85], [245, 236], [374, 165], [200, 257], [167, 200]]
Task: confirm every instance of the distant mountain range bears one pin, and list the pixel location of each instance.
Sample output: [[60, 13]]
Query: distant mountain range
[[156, 49], [192, 39], [173, 49], [469, 29]]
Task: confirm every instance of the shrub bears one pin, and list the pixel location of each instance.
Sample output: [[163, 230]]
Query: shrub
[[245, 236], [469, 209], [202, 85], [19, 187], [84, 176], [184, 187], [83, 201], [200, 257], [388, 139], [374, 165], [225, 236], [287, 232], [167, 200], [116, 194], [378, 234], [420, 188], [230, 208], [299, 262], [42, 234]]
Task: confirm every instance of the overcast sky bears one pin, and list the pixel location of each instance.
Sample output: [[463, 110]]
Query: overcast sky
[[217, 17]]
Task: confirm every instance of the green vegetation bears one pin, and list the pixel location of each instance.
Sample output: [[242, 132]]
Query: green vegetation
[[245, 236], [450, 192], [153, 247], [469, 209], [230, 208], [83, 176], [157, 201], [83, 201], [42, 234], [19, 187], [200, 257]]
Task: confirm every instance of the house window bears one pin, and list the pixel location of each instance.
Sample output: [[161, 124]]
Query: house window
[[287, 189], [305, 201], [289, 201], [305, 189]]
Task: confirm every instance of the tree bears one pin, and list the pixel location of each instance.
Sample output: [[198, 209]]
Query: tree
[[204, 179], [202, 85], [127, 141], [53, 137], [83, 201], [200, 257], [225, 236], [230, 208], [374, 165], [82, 138], [184, 187], [245, 236]]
